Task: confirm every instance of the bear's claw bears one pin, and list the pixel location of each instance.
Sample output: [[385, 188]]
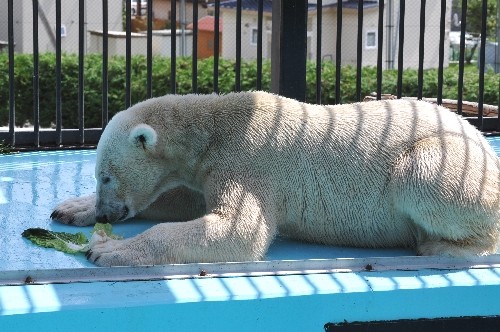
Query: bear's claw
[[88, 255], [79, 211], [56, 214], [60, 216]]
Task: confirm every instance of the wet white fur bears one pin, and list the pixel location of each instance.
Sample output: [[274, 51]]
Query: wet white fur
[[239, 168]]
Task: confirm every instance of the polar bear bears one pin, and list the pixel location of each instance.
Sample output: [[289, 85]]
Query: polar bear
[[226, 173]]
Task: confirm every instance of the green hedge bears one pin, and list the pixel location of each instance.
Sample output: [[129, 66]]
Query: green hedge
[[161, 84]]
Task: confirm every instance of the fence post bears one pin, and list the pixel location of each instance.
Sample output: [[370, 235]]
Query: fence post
[[289, 48]]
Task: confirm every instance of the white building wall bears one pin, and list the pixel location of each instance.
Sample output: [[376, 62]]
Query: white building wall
[[161, 43], [349, 35], [4, 20], [431, 42], [248, 23], [23, 23]]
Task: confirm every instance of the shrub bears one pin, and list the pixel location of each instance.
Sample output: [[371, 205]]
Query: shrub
[[23, 69]]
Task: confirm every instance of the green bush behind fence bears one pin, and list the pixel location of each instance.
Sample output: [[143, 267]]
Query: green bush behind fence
[[23, 69]]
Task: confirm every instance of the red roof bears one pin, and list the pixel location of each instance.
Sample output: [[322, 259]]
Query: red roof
[[206, 23]]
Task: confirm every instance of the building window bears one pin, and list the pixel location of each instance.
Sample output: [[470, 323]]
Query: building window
[[371, 39], [254, 36], [63, 30]]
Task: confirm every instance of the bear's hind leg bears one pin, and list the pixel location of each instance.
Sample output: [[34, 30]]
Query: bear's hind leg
[[448, 186], [461, 248]]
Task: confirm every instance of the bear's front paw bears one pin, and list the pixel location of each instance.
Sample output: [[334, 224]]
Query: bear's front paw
[[78, 211], [118, 253]]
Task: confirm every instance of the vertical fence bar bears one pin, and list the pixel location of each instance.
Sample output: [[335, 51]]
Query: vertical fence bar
[[36, 77], [128, 53], [216, 45], [260, 14], [12, 87], [442, 28], [319, 23], [359, 47], [105, 74], [58, 75], [289, 50], [380, 42], [338, 54], [421, 50], [237, 78], [194, 65], [81, 63], [482, 58], [399, 84], [497, 126], [461, 61], [173, 47], [149, 51], [389, 25]]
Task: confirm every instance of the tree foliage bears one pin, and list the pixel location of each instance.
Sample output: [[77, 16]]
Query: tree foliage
[[475, 17]]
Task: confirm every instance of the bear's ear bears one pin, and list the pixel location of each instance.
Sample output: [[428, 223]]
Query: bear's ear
[[143, 136]]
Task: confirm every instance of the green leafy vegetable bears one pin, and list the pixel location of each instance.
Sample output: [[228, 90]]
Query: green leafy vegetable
[[105, 230], [68, 242]]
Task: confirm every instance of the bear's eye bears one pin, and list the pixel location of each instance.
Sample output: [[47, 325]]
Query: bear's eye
[[106, 179]]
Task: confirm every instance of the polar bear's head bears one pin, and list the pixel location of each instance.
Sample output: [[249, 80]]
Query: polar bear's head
[[141, 154]]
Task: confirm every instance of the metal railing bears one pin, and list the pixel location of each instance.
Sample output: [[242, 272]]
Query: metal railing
[[288, 59]]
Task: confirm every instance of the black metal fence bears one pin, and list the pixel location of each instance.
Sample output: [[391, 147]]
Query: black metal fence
[[289, 55]]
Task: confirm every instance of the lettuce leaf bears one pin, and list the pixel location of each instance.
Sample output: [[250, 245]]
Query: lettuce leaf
[[67, 242], [62, 241], [106, 229]]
